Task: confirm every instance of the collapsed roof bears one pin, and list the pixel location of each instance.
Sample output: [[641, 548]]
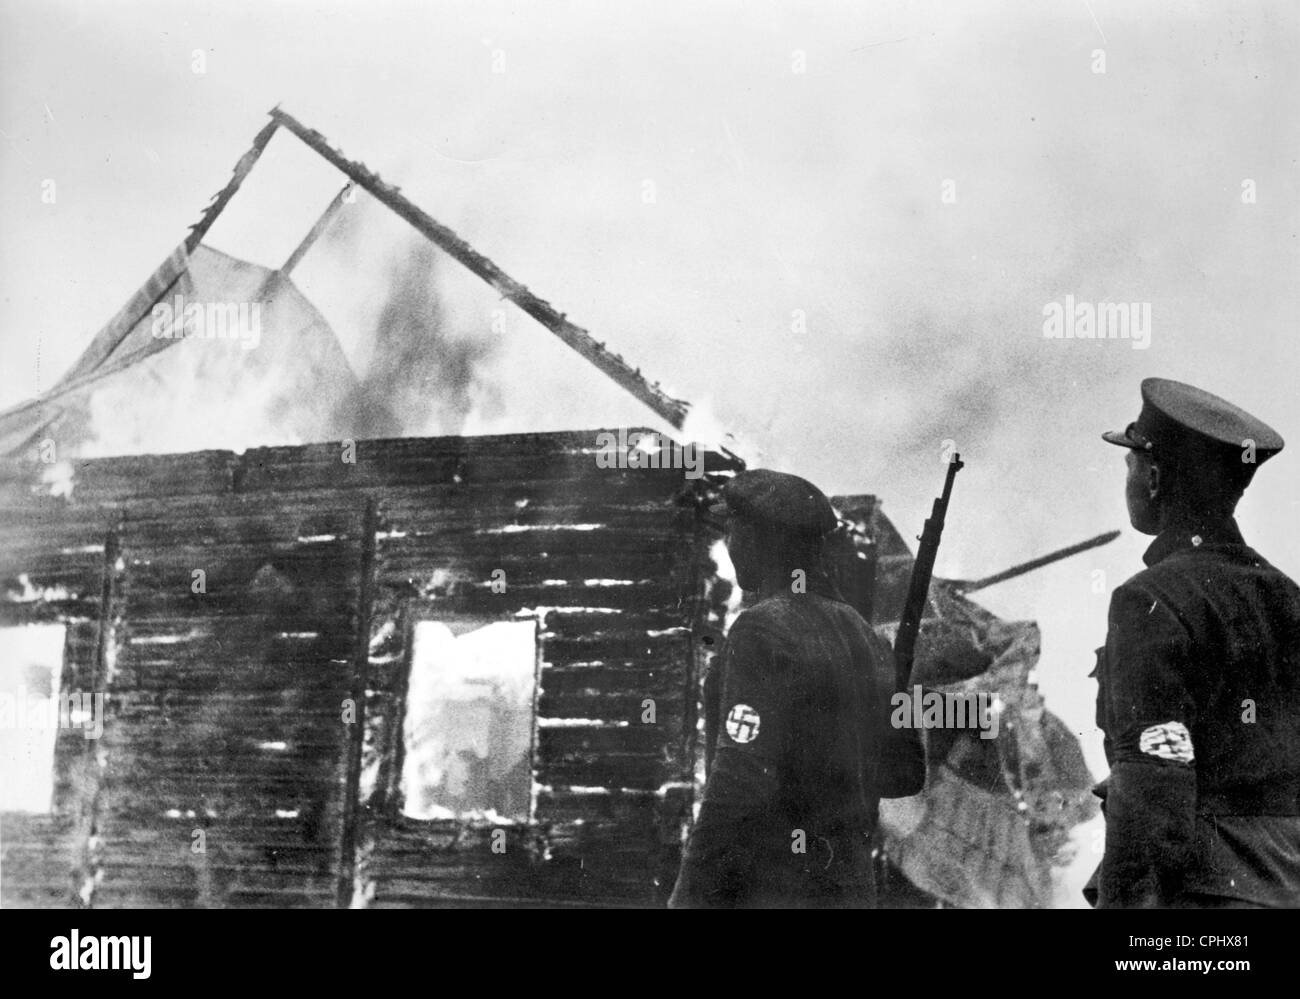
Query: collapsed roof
[[299, 373]]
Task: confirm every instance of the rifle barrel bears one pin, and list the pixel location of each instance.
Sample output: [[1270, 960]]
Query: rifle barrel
[[918, 588], [970, 586]]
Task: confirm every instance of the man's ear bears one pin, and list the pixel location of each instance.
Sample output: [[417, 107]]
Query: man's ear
[[1153, 480]]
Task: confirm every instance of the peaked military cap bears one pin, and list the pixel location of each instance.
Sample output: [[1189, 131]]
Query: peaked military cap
[[1179, 420], [780, 500]]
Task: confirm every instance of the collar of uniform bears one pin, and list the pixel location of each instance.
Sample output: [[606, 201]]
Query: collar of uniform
[[829, 590], [1177, 538]]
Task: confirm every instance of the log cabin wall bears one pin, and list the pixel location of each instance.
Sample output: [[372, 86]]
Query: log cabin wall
[[250, 619]]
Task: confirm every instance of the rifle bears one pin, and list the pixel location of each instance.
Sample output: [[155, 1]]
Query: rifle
[[919, 587]]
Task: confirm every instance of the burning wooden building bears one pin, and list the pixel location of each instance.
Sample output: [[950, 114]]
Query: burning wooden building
[[453, 669], [419, 671]]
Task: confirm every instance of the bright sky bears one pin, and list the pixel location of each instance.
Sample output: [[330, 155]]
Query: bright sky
[[688, 180]]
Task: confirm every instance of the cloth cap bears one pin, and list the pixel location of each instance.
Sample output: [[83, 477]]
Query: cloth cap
[[780, 500]]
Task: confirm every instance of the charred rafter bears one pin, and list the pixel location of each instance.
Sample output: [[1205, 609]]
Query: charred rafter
[[670, 409]]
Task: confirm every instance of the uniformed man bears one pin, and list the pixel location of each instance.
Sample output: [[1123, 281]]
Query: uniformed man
[[796, 719], [1199, 680]]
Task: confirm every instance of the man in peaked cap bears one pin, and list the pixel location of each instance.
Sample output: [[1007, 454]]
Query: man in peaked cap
[[798, 743], [1199, 679]]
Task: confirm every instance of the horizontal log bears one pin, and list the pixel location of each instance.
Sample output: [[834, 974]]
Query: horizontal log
[[612, 646], [649, 809], [635, 756]]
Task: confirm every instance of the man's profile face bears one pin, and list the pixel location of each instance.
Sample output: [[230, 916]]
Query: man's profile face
[[1143, 476]]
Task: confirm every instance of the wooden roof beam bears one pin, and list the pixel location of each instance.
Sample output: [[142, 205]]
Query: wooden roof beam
[[631, 379]]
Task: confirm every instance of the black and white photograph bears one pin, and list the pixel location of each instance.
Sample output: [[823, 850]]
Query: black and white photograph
[[650, 455]]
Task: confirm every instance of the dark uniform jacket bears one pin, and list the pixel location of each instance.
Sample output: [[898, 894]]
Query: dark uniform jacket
[[799, 749], [1199, 700]]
